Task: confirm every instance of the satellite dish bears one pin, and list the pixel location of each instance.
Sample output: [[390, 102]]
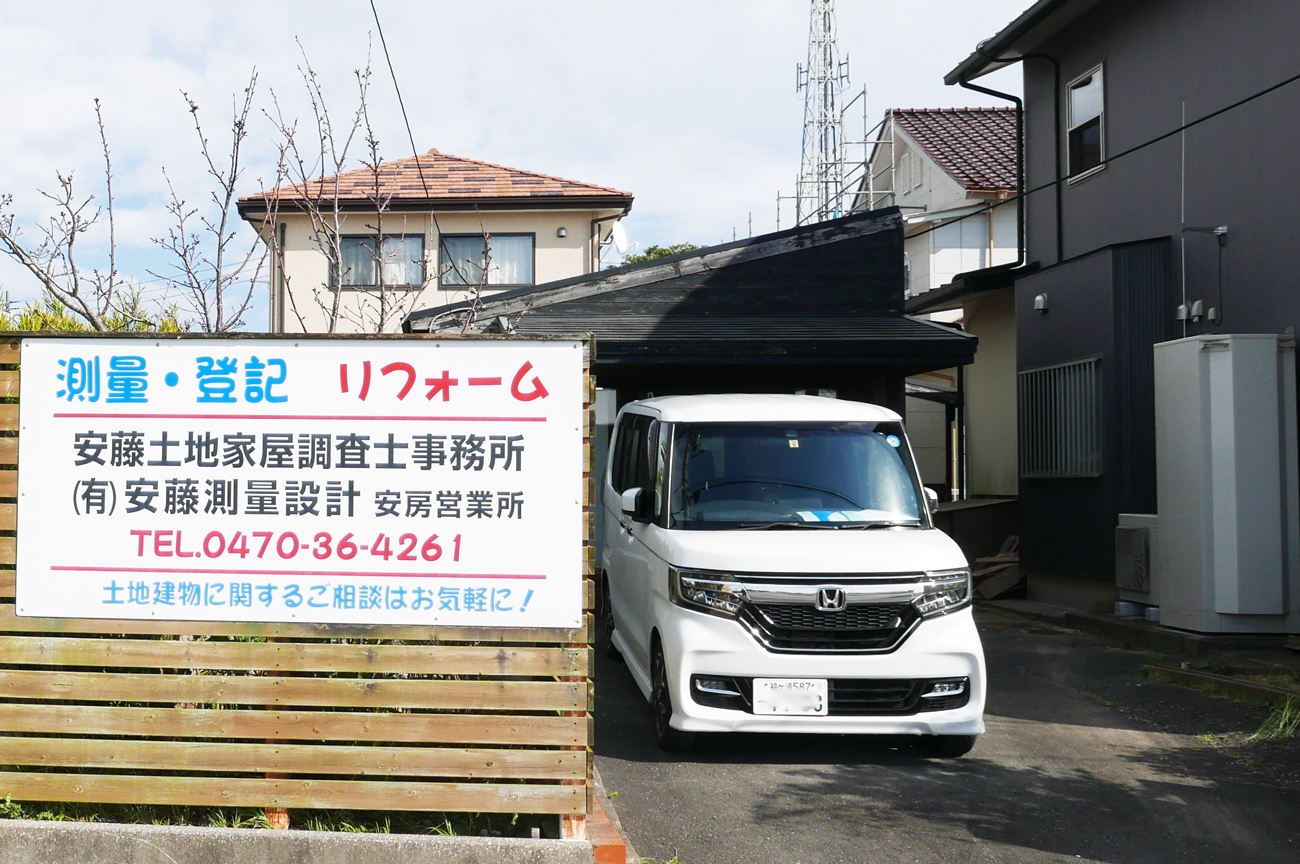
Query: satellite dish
[[619, 235]]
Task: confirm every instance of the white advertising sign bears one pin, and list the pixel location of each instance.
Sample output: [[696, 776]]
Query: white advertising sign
[[321, 481]]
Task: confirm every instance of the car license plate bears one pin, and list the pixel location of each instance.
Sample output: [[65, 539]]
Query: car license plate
[[803, 697]]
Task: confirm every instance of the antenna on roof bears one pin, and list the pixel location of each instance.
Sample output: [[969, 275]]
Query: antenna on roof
[[618, 234]]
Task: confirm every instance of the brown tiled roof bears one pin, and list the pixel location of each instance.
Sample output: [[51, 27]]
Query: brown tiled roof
[[444, 178], [977, 146]]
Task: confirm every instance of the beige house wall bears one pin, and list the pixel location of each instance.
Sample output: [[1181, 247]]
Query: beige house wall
[[303, 299], [990, 383]]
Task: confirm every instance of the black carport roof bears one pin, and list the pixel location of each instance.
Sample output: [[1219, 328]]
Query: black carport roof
[[830, 293]]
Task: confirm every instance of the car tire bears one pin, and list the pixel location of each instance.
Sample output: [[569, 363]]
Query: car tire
[[661, 701], [607, 622], [949, 746]]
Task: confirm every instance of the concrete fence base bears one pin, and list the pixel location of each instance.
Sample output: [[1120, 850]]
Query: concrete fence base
[[28, 842]]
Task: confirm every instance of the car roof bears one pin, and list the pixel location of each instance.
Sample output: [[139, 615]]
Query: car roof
[[754, 407]]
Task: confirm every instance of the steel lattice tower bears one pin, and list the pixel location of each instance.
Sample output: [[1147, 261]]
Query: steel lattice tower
[[820, 187]]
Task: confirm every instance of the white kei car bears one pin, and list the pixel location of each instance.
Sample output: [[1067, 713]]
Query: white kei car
[[770, 564]]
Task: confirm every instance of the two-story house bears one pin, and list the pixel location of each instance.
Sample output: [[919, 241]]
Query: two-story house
[[943, 167], [1161, 187], [415, 232]]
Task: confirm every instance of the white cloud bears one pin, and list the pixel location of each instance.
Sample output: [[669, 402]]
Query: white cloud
[[690, 105]]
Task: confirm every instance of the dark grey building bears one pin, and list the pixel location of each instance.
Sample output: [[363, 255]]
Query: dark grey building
[[1162, 190]]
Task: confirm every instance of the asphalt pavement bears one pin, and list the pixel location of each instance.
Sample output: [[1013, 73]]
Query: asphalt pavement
[[1084, 759]]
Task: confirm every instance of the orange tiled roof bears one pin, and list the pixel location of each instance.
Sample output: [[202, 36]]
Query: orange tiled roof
[[444, 177]]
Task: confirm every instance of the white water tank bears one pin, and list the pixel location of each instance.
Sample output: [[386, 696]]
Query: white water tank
[[1227, 484]]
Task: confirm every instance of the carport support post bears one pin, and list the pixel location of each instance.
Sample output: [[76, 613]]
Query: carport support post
[[574, 827]]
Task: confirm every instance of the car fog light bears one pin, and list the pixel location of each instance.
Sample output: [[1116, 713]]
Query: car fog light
[[717, 686], [944, 688]]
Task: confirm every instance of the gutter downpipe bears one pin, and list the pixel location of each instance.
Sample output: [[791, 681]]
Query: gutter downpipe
[[1021, 243], [595, 237], [1056, 149], [1056, 133]]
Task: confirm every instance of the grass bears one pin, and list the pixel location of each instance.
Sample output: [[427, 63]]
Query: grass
[[344, 821], [1110, 703], [1283, 722]]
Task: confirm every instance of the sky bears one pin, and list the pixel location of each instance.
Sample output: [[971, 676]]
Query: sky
[[688, 104]]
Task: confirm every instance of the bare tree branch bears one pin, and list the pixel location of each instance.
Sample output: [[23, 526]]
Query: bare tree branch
[[207, 268]]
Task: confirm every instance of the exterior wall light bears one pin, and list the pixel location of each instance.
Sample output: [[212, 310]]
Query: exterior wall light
[[561, 231], [1040, 303]]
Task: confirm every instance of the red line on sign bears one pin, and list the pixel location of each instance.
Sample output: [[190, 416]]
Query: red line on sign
[[223, 572], [485, 382], [296, 417]]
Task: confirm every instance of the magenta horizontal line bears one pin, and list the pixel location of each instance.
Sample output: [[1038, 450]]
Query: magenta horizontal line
[[222, 572], [295, 417]]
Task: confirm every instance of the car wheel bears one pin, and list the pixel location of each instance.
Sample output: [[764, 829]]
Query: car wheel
[[670, 739], [949, 746], [607, 622]]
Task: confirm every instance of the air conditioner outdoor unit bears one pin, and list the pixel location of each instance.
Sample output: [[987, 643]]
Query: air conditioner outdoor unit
[[1138, 573]]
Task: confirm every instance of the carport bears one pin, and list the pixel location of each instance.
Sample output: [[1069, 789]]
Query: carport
[[817, 308]]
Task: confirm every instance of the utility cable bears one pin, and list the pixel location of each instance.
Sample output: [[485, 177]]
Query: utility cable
[[1145, 144], [410, 137]]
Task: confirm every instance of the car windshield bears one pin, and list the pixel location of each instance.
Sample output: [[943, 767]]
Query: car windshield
[[792, 475]]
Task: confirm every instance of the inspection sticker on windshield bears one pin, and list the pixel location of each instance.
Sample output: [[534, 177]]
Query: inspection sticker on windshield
[[792, 696]]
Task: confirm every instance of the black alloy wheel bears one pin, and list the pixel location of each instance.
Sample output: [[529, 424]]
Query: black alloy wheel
[[670, 739]]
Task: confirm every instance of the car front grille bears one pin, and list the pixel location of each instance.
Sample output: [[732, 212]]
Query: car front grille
[[790, 627]]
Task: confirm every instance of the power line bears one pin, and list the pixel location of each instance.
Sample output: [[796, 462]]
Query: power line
[[410, 137], [1145, 144]]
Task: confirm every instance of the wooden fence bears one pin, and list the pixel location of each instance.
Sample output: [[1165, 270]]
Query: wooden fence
[[209, 714]]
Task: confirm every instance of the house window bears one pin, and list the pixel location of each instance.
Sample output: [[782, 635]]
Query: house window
[[1060, 420], [402, 259], [463, 260], [1087, 131]]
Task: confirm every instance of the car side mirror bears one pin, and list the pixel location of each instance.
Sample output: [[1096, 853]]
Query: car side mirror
[[635, 504], [931, 500]]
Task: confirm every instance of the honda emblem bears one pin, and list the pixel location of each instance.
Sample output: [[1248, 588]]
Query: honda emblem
[[831, 599]]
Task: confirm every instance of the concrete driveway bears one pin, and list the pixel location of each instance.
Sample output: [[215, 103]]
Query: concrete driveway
[[1079, 763]]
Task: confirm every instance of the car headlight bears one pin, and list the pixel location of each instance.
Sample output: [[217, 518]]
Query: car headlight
[[943, 591], [706, 592]]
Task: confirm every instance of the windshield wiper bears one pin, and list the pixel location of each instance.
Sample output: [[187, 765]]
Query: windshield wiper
[[765, 526], [866, 526]]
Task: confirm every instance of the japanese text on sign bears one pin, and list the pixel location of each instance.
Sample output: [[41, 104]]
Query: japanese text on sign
[[322, 480]]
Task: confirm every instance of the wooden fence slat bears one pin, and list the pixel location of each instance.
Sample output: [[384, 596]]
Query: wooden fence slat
[[257, 690], [8, 382], [8, 555], [293, 725], [251, 792], [293, 759], [8, 483], [10, 351], [11, 622], [8, 450], [293, 657], [8, 515], [9, 417]]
